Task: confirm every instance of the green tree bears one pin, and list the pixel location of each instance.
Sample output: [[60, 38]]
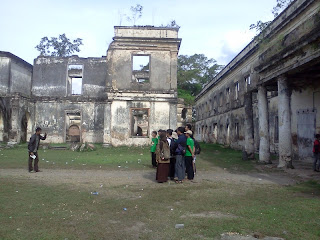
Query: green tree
[[58, 47], [260, 26], [194, 72], [136, 13]]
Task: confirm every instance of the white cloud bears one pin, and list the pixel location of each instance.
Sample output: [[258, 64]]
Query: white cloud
[[233, 42]]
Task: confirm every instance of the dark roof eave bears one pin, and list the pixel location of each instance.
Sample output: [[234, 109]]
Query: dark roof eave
[[10, 55]]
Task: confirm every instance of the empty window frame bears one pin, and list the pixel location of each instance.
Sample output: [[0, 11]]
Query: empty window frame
[[236, 130], [75, 73], [228, 94], [236, 90], [141, 68], [139, 122], [247, 80], [76, 86]]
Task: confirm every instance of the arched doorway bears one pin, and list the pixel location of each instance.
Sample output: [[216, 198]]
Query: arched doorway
[[23, 131], [228, 135], [29, 126], [74, 133], [26, 127]]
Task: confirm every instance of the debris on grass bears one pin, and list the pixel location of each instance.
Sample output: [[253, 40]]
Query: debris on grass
[[180, 225]]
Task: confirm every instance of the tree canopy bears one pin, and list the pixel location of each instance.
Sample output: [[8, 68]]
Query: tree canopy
[[194, 72], [58, 47]]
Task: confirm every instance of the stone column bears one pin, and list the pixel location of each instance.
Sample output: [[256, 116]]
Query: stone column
[[248, 126], [107, 124], [173, 69], [173, 116], [14, 133], [264, 148], [285, 138]]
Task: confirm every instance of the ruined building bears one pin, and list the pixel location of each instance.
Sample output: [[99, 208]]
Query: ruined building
[[117, 99], [267, 99]]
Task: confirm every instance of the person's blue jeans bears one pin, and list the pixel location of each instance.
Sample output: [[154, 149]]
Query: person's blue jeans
[[180, 168]]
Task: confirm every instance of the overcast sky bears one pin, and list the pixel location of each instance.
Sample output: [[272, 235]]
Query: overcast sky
[[218, 29]]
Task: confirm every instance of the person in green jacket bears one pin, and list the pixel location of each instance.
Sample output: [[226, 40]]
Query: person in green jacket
[[189, 155], [155, 141]]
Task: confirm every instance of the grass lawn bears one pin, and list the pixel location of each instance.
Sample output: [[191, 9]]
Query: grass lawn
[[33, 209]]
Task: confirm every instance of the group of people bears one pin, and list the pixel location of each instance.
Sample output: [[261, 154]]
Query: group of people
[[173, 153]]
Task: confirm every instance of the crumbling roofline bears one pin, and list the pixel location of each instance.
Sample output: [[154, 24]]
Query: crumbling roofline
[[74, 56], [148, 39], [147, 27]]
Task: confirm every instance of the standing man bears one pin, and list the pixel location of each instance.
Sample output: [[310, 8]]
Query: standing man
[[188, 127], [180, 151], [33, 147], [189, 155], [316, 153]]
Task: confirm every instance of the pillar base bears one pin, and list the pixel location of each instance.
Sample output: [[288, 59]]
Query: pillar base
[[264, 162], [286, 164]]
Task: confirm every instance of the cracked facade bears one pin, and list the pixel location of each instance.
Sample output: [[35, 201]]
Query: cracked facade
[[267, 98], [118, 99]]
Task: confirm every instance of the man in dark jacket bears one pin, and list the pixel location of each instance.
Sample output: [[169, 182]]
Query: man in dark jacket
[[33, 147], [180, 151]]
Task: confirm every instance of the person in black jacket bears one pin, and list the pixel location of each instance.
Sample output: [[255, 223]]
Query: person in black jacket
[[33, 147]]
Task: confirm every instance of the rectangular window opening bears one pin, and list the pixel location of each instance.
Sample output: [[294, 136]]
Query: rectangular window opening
[[237, 89], [76, 86], [139, 122], [228, 94], [236, 131], [141, 63], [141, 69], [247, 80], [75, 74]]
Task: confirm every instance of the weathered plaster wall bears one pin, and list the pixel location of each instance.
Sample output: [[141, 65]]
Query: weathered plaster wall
[[4, 75], [159, 118], [50, 77], [21, 119], [20, 78], [120, 70], [51, 117], [146, 32]]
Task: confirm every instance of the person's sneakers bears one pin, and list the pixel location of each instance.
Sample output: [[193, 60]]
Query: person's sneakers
[[31, 171], [39, 171]]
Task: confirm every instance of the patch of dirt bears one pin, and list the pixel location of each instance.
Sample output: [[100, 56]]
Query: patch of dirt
[[210, 215], [237, 236], [102, 179]]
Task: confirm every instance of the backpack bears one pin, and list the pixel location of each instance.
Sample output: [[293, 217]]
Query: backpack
[[165, 153], [181, 149], [197, 146], [173, 147]]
